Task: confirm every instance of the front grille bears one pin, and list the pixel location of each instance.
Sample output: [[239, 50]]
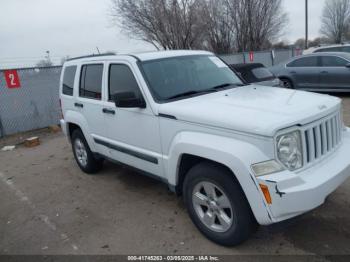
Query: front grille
[[322, 137]]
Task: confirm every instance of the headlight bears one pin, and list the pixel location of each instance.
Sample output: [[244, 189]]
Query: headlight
[[289, 150]]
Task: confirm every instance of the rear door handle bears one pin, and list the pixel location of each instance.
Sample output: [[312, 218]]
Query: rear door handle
[[108, 111], [79, 105], [293, 72], [324, 72]]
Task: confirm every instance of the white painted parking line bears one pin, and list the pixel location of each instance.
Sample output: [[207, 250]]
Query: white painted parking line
[[45, 219]]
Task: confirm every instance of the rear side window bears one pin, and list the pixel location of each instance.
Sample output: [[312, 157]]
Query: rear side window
[[333, 61], [121, 79], [68, 80], [91, 81], [305, 62]]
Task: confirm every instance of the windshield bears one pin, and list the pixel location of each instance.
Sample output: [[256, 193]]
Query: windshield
[[171, 78]]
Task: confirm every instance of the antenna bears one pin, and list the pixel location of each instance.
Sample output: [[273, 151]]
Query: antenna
[[306, 24], [98, 50]]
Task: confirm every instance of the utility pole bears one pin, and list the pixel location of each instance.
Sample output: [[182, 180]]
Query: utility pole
[[306, 24]]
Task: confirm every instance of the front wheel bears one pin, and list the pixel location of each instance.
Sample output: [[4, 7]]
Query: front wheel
[[287, 83], [217, 204]]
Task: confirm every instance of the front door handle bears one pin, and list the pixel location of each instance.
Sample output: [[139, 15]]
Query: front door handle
[[324, 72], [293, 72], [79, 105], [108, 111]]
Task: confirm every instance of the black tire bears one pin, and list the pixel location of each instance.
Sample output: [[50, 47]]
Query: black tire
[[287, 83], [93, 165], [244, 224]]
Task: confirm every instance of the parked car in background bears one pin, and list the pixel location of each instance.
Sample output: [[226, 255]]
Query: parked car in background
[[321, 72], [332, 48], [256, 73]]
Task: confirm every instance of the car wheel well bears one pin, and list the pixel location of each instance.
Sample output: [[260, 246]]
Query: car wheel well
[[186, 163], [286, 78], [71, 128]]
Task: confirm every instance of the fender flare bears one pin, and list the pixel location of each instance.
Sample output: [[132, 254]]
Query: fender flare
[[234, 154], [72, 117]]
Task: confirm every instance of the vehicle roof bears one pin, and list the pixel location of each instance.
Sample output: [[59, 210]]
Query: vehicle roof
[[166, 54], [316, 48], [341, 54], [330, 46], [145, 56], [328, 53]]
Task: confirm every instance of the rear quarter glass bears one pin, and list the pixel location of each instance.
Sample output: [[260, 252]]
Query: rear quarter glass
[[68, 80]]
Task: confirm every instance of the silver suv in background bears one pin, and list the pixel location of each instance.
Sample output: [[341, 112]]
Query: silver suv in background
[[321, 72], [332, 48]]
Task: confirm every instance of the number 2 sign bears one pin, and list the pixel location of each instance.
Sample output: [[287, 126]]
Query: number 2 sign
[[12, 79]]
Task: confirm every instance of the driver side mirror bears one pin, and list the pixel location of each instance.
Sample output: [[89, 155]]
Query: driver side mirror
[[348, 65], [129, 100]]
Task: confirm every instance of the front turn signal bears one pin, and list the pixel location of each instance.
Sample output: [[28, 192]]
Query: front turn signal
[[266, 193]]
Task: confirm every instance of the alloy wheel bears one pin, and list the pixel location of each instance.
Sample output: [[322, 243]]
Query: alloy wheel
[[81, 152], [213, 207]]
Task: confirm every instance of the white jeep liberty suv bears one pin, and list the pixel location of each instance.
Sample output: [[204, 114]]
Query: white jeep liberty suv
[[240, 155]]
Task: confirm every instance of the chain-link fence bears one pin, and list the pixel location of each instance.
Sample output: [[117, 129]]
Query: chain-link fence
[[32, 106], [267, 58], [36, 103]]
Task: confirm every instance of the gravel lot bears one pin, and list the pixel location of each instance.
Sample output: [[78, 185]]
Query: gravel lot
[[48, 206]]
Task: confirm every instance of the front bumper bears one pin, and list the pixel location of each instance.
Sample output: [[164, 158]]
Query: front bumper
[[296, 193]]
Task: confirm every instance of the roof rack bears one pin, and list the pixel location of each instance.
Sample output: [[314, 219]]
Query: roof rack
[[134, 56], [89, 56]]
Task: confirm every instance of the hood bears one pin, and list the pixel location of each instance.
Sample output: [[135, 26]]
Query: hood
[[253, 109]]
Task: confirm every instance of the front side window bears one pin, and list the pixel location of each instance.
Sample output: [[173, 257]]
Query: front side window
[[68, 80], [305, 62], [180, 77], [121, 79], [91, 81], [333, 61]]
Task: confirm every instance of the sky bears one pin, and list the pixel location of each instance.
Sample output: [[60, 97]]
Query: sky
[[77, 27]]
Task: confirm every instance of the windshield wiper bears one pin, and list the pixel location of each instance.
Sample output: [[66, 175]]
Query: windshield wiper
[[206, 91], [227, 85], [193, 92]]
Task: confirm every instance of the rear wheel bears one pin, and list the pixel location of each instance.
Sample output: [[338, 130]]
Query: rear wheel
[[86, 160], [287, 83], [217, 204]]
